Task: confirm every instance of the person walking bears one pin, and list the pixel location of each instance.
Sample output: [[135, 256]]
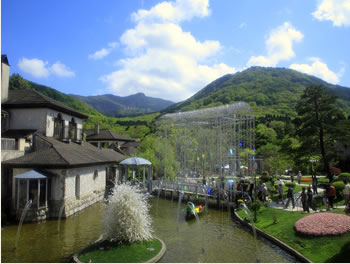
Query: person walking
[[331, 193], [299, 177], [290, 196], [310, 200], [303, 198]]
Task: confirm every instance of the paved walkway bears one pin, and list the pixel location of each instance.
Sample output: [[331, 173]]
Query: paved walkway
[[298, 205]]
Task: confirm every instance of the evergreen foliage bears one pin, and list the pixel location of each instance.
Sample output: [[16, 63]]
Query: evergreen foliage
[[318, 116]]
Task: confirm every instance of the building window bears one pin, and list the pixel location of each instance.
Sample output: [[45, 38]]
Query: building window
[[77, 187], [58, 127]]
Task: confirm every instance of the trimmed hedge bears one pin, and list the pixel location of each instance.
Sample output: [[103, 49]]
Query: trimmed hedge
[[343, 176], [339, 187]]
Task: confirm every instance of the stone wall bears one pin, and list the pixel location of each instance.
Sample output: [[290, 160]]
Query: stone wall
[[91, 188]]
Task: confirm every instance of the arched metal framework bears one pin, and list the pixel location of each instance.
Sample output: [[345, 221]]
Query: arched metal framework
[[215, 141]]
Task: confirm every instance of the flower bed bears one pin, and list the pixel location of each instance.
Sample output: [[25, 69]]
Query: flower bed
[[305, 179], [322, 224]]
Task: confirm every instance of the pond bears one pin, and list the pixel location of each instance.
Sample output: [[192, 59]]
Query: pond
[[215, 238]]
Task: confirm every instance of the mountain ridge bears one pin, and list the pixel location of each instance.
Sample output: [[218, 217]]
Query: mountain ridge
[[131, 105], [268, 90]]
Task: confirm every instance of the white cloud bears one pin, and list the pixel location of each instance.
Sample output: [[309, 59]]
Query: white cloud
[[175, 12], [35, 67], [61, 70], [337, 11], [318, 69], [163, 60], [40, 69], [103, 52], [279, 46]]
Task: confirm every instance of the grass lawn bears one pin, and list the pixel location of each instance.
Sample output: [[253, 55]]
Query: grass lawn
[[317, 249], [136, 252]]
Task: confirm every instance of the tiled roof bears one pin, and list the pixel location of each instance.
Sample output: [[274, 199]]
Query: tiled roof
[[105, 134], [129, 151], [4, 59], [65, 155], [130, 144], [34, 99]]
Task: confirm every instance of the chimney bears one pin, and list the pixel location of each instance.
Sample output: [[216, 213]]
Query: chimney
[[97, 129], [5, 76]]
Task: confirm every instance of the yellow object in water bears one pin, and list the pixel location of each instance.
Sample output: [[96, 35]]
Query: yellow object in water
[[197, 210]]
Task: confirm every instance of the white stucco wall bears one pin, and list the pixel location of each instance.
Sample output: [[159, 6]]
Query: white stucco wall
[[33, 118], [5, 75], [41, 119]]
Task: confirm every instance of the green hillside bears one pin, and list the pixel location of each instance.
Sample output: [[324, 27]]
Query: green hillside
[[136, 127], [269, 91], [118, 106]]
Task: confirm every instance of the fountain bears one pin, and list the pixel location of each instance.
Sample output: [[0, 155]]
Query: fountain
[[127, 216], [247, 212], [127, 224], [60, 216], [24, 212]]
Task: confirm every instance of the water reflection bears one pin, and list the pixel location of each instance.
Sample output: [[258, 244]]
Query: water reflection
[[216, 239]]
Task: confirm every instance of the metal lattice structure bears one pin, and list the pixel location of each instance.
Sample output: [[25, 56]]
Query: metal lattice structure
[[211, 142]]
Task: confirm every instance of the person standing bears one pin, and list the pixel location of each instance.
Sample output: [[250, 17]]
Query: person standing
[[260, 190], [299, 177], [314, 185], [280, 192], [290, 197], [310, 200], [303, 198], [331, 193]]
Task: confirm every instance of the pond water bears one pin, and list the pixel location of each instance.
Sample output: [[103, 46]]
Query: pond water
[[215, 238]]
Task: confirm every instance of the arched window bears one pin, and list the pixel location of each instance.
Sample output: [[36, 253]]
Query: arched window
[[77, 187], [58, 126], [73, 129], [95, 174]]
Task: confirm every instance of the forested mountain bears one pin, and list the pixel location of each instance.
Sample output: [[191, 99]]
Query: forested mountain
[[269, 91], [132, 105]]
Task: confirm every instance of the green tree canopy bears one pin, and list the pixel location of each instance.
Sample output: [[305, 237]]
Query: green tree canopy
[[317, 122]]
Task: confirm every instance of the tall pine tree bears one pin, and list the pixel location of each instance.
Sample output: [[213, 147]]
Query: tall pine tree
[[318, 117]]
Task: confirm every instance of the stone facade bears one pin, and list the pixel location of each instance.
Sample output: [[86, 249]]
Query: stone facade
[[71, 191]]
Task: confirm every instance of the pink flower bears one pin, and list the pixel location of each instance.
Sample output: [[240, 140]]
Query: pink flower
[[321, 224]]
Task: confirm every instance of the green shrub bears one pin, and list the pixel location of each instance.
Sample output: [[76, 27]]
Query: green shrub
[[255, 205], [339, 187], [343, 176]]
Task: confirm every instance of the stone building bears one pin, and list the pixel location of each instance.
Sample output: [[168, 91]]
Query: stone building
[[105, 138], [73, 176], [52, 170]]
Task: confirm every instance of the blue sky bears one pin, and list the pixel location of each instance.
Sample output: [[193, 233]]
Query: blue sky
[[170, 49]]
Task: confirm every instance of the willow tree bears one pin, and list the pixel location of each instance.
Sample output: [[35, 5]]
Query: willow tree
[[318, 117]]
